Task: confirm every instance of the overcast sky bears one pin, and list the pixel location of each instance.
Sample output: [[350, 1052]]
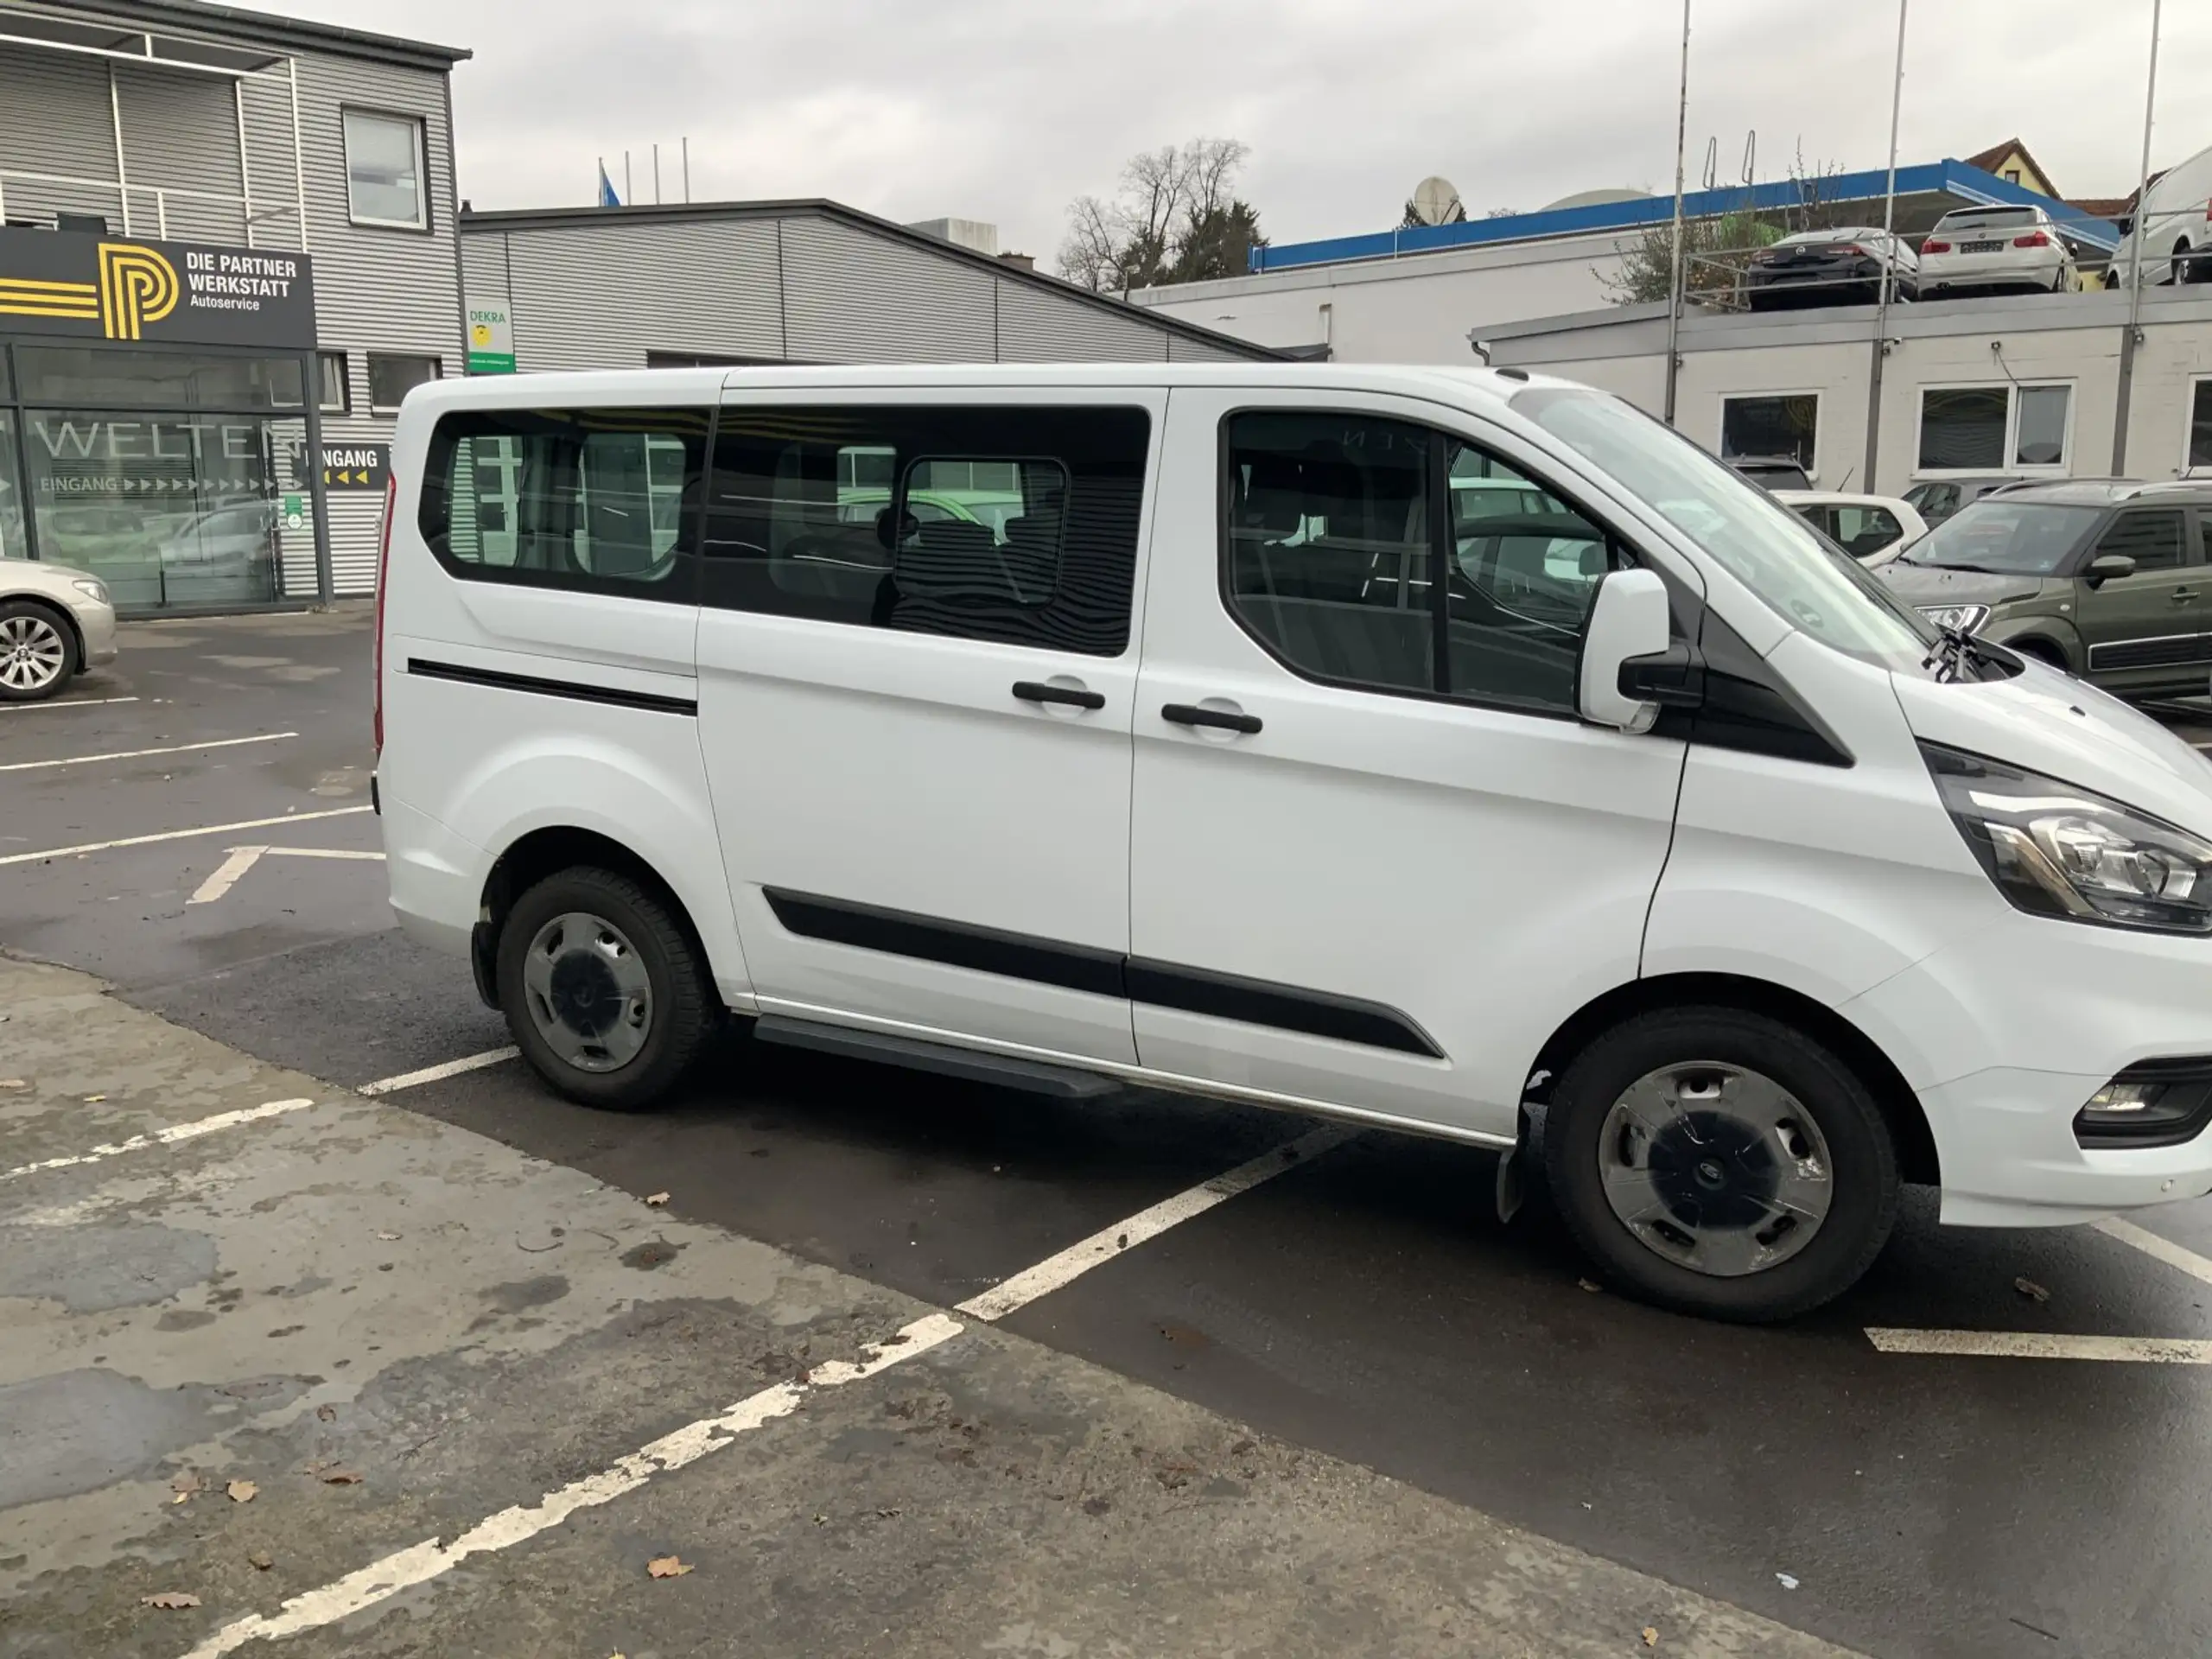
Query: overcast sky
[[1006, 110]]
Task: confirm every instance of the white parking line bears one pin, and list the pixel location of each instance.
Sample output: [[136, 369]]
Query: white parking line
[[1077, 1259], [418, 1564], [167, 1137], [2150, 1244], [422, 1562], [180, 834], [2038, 1344], [438, 1073], [226, 875], [321, 852], [66, 703], [141, 754]]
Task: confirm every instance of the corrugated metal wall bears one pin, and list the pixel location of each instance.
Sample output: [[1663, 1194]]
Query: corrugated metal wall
[[807, 287], [376, 289]]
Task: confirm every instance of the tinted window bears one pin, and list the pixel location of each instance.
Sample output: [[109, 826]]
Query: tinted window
[[2200, 425], [1863, 532], [1333, 527], [599, 498], [1770, 426], [2153, 540], [392, 377], [1015, 525]]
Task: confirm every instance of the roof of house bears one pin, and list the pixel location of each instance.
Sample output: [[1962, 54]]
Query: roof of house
[[261, 27], [1991, 159], [477, 221]]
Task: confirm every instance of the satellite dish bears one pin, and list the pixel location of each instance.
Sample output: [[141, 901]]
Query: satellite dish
[[1436, 202]]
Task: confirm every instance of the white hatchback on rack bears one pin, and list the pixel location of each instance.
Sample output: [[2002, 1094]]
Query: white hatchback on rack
[[1216, 731], [1984, 248]]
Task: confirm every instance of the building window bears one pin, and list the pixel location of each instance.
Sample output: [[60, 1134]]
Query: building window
[[2011, 175], [337, 391], [1786, 424], [576, 498], [384, 171], [1018, 526], [2199, 451], [392, 376], [1993, 429]]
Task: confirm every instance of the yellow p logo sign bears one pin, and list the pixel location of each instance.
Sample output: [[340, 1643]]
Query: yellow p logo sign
[[137, 286]]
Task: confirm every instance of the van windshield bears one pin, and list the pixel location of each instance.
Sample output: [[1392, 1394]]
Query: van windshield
[[1816, 586]]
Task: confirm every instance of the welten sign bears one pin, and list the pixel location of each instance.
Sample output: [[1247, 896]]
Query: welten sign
[[82, 287]]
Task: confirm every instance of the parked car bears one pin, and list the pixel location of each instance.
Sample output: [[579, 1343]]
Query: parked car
[[1936, 499], [1256, 780], [2173, 226], [54, 623], [1773, 472], [2000, 247], [1840, 267], [2105, 580], [1872, 529]]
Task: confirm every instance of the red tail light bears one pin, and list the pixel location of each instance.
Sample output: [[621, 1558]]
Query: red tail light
[[2032, 239], [1934, 247], [1848, 247], [384, 575]]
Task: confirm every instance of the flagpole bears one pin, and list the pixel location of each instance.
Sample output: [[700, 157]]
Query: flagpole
[[1675, 281]]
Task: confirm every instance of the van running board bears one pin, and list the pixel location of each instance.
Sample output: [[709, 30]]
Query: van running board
[[1001, 1070]]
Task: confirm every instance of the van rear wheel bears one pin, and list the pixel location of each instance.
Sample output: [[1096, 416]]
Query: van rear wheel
[[1722, 1163], [605, 993]]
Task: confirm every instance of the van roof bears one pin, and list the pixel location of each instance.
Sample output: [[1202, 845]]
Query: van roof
[[605, 386]]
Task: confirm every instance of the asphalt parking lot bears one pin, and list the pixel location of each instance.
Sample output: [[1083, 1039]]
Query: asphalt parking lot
[[1341, 1409]]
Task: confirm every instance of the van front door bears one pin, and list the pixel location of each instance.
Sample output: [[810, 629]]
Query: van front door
[[1376, 858], [917, 660]]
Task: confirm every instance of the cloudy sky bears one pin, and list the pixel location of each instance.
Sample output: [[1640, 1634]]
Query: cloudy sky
[[1005, 110]]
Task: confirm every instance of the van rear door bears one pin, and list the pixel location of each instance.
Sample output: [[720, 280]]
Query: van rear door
[[918, 651]]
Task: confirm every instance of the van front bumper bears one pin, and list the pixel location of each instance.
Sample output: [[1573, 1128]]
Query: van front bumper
[[2005, 1038]]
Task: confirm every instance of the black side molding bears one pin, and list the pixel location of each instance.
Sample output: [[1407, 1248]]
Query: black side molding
[[1101, 973], [577, 691]]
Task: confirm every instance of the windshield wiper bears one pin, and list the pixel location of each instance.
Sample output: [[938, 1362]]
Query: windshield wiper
[[1953, 650], [1926, 564]]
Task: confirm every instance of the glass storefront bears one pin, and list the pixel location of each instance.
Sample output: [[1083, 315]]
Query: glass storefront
[[177, 477]]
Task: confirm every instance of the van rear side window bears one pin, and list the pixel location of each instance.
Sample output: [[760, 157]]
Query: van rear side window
[[1014, 525], [598, 498]]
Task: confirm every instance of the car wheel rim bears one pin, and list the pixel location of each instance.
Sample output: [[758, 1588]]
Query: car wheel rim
[[589, 994], [1716, 1168], [32, 654]]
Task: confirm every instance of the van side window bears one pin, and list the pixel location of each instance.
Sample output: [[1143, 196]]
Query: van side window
[[1336, 524], [599, 498], [1014, 525]]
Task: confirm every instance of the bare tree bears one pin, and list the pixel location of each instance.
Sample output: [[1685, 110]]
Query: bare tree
[[1176, 219]]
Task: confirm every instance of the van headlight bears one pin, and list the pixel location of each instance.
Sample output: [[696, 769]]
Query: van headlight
[[1965, 618], [2057, 850]]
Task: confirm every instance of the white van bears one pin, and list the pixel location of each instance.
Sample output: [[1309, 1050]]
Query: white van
[[1211, 732], [2174, 230]]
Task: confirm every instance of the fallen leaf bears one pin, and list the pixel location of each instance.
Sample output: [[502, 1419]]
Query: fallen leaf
[[667, 1567], [241, 1491], [389, 1238], [340, 1477], [170, 1598], [656, 1199], [263, 1558], [1650, 1636], [181, 1497], [185, 1483], [94, 1100], [12, 1083], [1589, 1284], [327, 1413], [2029, 1287]]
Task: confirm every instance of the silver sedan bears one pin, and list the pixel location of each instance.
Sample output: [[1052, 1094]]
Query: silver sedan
[[54, 623]]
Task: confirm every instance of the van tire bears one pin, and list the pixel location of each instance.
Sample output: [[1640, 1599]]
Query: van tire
[[1862, 1162], [686, 1009]]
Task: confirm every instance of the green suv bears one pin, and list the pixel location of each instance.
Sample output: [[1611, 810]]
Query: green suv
[[2110, 580]]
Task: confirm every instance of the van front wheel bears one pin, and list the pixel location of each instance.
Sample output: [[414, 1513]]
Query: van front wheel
[[606, 995], [1722, 1163]]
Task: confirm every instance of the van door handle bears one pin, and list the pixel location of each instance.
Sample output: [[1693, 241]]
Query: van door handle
[[1039, 691], [1189, 713], [2184, 596]]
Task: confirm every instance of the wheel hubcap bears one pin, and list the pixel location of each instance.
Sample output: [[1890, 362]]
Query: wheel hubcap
[[32, 654], [1716, 1167], [587, 991]]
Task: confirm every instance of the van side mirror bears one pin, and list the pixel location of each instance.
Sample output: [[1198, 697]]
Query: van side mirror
[[1628, 620], [2108, 567]]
